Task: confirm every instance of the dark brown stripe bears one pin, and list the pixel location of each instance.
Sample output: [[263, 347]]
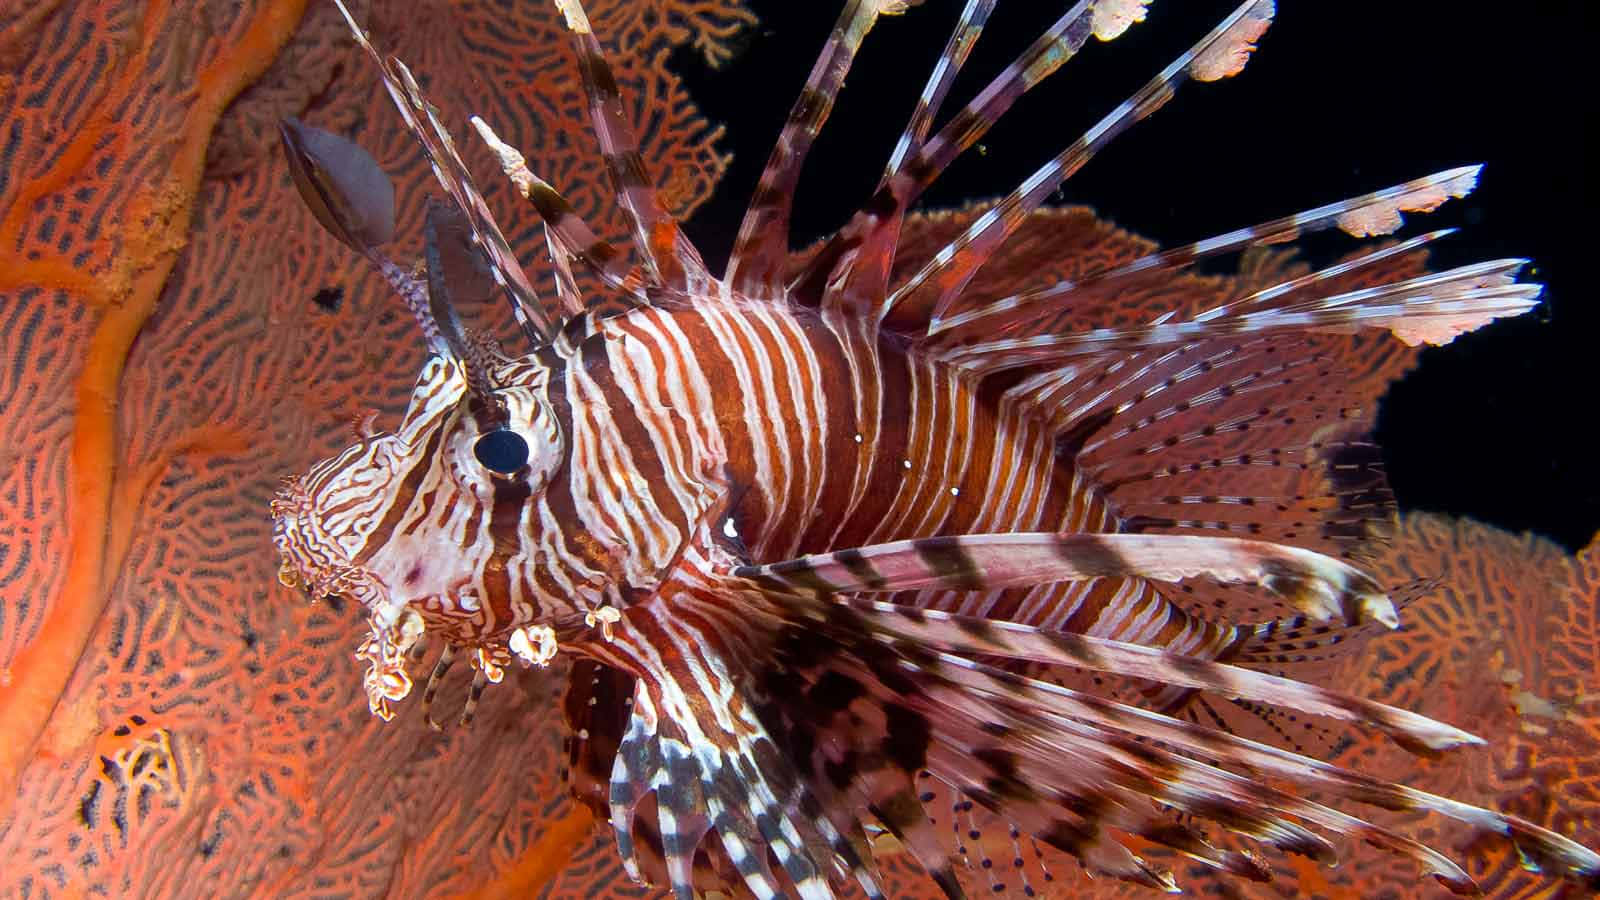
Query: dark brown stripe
[[636, 436], [628, 168], [858, 566], [801, 573], [946, 558], [599, 74], [1091, 556], [404, 494]]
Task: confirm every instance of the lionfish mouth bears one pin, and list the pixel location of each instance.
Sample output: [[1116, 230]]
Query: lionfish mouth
[[292, 518], [398, 620]]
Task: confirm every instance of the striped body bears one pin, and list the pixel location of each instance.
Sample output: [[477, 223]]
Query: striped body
[[803, 528], [824, 435], [830, 437]]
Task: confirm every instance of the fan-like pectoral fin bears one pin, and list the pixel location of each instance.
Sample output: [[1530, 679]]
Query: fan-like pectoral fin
[[696, 743], [1318, 584]]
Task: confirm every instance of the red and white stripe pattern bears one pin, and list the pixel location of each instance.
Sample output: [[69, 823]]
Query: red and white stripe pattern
[[798, 522]]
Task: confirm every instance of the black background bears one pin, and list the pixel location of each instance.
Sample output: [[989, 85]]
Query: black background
[[1342, 98]]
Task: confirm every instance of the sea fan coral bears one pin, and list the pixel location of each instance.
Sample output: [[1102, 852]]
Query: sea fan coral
[[204, 742], [212, 738]]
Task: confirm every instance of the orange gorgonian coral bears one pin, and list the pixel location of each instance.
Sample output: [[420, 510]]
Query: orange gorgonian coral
[[176, 336], [176, 723]]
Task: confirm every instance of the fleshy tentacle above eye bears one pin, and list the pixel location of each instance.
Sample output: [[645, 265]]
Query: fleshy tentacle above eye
[[457, 269], [453, 176], [352, 198]]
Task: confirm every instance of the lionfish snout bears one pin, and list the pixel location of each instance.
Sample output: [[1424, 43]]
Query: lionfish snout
[[313, 562], [305, 560], [333, 536]]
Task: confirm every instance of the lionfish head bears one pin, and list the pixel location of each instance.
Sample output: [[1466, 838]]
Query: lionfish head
[[417, 525]]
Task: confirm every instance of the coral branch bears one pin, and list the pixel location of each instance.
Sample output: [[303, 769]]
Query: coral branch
[[132, 486], [101, 127], [542, 862], [40, 671], [55, 273]]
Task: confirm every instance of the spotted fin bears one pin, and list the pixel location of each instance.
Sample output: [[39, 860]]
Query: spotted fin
[[1076, 770], [596, 710], [978, 636]]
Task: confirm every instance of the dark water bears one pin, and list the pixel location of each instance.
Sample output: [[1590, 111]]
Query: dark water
[[1341, 99]]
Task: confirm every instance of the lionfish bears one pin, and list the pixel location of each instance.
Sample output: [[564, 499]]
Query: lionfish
[[817, 537]]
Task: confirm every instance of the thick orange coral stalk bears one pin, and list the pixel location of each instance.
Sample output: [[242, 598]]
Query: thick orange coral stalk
[[161, 214], [542, 861]]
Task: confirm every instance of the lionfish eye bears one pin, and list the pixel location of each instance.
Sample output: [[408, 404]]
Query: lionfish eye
[[502, 450]]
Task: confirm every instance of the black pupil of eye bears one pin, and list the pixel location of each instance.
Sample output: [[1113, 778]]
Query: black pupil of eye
[[501, 450]]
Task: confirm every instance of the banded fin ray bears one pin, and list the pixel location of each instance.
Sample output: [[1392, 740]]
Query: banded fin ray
[[891, 703], [714, 767], [1296, 647], [1419, 195], [452, 175], [1300, 643], [1220, 54], [1318, 585], [1018, 744], [962, 634], [1431, 308], [1081, 762], [1552, 852], [761, 249], [1160, 434], [1065, 770], [564, 227], [974, 15], [669, 257], [852, 268]]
